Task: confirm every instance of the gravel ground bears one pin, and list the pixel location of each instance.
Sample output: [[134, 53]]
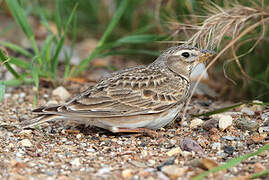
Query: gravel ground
[[181, 150]]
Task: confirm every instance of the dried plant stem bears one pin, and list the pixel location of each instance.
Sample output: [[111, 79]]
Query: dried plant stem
[[244, 32]]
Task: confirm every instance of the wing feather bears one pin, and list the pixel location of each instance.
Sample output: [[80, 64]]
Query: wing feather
[[124, 94]]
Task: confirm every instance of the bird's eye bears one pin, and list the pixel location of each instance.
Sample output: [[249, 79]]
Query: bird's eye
[[186, 54]]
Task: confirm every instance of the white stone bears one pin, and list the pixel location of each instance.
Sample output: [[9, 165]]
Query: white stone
[[75, 162], [184, 124], [127, 173], [22, 95], [225, 121], [25, 143], [151, 162], [186, 153], [263, 129], [91, 150], [247, 111], [162, 176], [78, 136], [196, 122], [174, 151], [265, 116], [173, 171], [26, 132], [104, 170], [144, 153], [216, 145], [61, 92], [51, 103]]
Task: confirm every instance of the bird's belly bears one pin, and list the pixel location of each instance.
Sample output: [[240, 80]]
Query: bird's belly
[[151, 121], [165, 118]]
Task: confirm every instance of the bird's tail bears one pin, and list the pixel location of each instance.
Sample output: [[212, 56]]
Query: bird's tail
[[38, 120]]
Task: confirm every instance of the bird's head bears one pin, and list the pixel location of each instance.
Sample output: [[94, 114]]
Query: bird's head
[[183, 59]]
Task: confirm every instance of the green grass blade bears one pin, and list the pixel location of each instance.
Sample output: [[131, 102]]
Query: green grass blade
[[140, 39], [84, 63], [44, 20], [16, 82], [232, 162], [262, 104], [2, 91], [74, 37], [35, 76], [19, 15], [46, 50], [260, 174], [55, 60], [20, 63], [129, 52], [221, 110], [4, 59], [113, 22], [58, 19], [35, 73], [16, 48], [13, 82]]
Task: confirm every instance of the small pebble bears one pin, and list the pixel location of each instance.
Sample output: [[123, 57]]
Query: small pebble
[[196, 122], [216, 145], [22, 95], [128, 173], [61, 92], [228, 149], [212, 123], [51, 103], [91, 150], [25, 143], [78, 136], [162, 176], [173, 171], [247, 111], [204, 163], [184, 124], [230, 138], [25, 132], [174, 151], [257, 108], [225, 121], [246, 124], [263, 129], [151, 162], [17, 177], [104, 170], [170, 161], [190, 145], [265, 116], [75, 162]]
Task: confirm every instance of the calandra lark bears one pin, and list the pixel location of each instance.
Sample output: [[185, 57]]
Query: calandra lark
[[143, 97]]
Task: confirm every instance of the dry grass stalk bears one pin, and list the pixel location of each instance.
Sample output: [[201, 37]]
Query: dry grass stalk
[[235, 22], [225, 22]]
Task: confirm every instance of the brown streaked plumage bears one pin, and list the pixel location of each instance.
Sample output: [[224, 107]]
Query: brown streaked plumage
[[140, 97]]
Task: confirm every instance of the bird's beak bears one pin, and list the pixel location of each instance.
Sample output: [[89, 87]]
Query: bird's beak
[[206, 54]]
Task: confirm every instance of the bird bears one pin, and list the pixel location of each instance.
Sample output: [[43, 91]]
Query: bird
[[135, 99]]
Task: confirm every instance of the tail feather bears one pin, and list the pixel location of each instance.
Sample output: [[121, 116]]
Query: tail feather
[[38, 120], [46, 110]]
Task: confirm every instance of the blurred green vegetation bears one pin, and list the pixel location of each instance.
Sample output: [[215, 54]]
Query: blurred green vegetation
[[136, 32]]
